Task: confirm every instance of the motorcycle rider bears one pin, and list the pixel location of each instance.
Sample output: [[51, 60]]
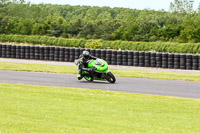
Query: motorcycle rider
[[83, 64]]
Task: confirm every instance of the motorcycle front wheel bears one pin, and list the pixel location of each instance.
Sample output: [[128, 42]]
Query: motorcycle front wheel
[[110, 78]]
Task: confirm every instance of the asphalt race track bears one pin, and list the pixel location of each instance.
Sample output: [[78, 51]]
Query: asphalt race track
[[185, 89]]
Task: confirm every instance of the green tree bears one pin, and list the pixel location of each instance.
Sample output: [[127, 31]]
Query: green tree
[[182, 6]]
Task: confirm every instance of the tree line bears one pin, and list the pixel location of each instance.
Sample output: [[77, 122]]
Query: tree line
[[180, 24]]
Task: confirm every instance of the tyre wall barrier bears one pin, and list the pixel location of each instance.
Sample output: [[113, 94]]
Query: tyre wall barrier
[[113, 57]]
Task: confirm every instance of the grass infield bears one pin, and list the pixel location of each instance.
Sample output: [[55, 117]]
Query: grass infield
[[26, 108], [116, 72]]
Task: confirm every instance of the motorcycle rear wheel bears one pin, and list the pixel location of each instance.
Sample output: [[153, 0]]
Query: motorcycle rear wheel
[[110, 78]]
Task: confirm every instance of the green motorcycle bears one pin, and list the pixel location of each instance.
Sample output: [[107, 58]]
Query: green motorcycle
[[101, 71]]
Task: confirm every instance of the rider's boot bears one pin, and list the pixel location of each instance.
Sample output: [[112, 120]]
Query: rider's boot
[[80, 76]]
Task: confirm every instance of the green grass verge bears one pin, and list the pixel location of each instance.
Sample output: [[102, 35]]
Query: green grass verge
[[116, 72], [26, 108]]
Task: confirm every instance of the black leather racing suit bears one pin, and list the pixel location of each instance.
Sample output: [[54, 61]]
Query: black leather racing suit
[[83, 65]]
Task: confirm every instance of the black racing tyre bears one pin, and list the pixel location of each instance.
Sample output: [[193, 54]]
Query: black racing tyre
[[153, 65], [130, 63], [170, 59], [119, 56], [141, 58], [170, 55], [125, 63], [177, 65], [67, 54], [92, 52], [81, 50], [113, 62], [103, 54], [164, 66], [177, 60], [147, 53], [119, 63], [164, 55], [153, 54], [136, 53], [189, 67], [153, 59], [110, 77], [159, 55], [170, 66], [164, 59], [114, 54], [108, 51], [158, 58], [159, 64], [164, 62], [147, 64], [0, 50], [97, 53], [130, 54], [141, 53], [141, 64]]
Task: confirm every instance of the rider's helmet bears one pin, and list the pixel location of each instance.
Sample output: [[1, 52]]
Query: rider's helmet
[[86, 54]]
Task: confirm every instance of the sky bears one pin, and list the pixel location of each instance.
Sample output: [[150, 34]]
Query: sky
[[133, 4]]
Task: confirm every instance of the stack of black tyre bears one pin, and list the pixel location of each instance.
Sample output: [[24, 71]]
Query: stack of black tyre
[[153, 59], [119, 57], [77, 53], [8, 51], [27, 52], [170, 60], [195, 62], [108, 56], [114, 57], [130, 58], [46, 53], [4, 51], [62, 54], [97, 54], [67, 54], [23, 52], [71, 54], [164, 60], [37, 53], [135, 58], [51, 53], [32, 53], [189, 62], [92, 52], [0, 50], [56, 53], [159, 60], [182, 61], [41, 53], [147, 56], [103, 54], [125, 58], [13, 51], [18, 49], [177, 61], [141, 59]]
